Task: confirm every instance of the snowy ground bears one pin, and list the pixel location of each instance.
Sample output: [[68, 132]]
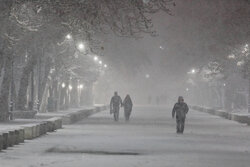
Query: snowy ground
[[148, 140]]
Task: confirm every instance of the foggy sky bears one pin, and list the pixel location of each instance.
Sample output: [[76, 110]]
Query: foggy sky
[[193, 35]]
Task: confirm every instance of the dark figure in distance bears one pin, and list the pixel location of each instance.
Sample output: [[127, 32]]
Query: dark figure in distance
[[115, 104], [180, 109], [127, 104]]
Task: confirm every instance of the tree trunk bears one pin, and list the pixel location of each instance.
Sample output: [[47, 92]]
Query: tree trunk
[[44, 99], [64, 98], [249, 94], [81, 96], [1, 63], [74, 94], [31, 99], [55, 93], [45, 78], [24, 82], [89, 94], [5, 88], [223, 97], [66, 106]]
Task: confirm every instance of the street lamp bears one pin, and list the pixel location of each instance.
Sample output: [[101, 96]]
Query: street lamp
[[63, 85], [95, 58], [81, 46], [192, 71], [70, 87], [68, 36], [105, 65], [81, 86], [100, 62]]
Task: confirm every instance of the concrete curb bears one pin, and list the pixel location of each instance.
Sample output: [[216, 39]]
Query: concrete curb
[[11, 137], [241, 118]]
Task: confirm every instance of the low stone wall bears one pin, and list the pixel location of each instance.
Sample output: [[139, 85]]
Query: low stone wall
[[38, 127], [239, 117], [77, 116], [24, 114]]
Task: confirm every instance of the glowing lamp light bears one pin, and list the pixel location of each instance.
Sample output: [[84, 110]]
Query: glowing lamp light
[[70, 87], [95, 58], [81, 86], [100, 62], [187, 89], [68, 36], [105, 65], [63, 85], [81, 46], [147, 76]]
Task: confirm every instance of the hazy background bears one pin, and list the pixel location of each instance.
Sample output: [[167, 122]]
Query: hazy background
[[157, 66]]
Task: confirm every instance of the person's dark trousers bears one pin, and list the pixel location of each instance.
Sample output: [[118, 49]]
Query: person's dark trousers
[[127, 115], [180, 125], [116, 115]]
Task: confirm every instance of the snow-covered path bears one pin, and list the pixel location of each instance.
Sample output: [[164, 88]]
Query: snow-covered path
[[148, 140]]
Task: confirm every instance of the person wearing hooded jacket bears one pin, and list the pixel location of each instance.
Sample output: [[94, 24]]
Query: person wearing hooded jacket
[[180, 110], [115, 104], [127, 104]]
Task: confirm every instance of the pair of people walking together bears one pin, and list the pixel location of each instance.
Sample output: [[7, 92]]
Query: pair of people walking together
[[179, 111], [115, 104]]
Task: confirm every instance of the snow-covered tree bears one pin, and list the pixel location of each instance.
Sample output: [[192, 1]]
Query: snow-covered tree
[[241, 57], [35, 29]]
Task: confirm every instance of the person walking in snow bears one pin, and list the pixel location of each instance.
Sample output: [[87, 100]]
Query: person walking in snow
[[180, 110], [115, 104], [127, 104]]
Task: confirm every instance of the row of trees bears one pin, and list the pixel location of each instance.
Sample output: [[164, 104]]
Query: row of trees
[[224, 83], [224, 79], [39, 39]]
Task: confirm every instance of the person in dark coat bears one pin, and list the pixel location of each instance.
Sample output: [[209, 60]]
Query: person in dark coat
[[180, 110], [115, 104], [127, 104]]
